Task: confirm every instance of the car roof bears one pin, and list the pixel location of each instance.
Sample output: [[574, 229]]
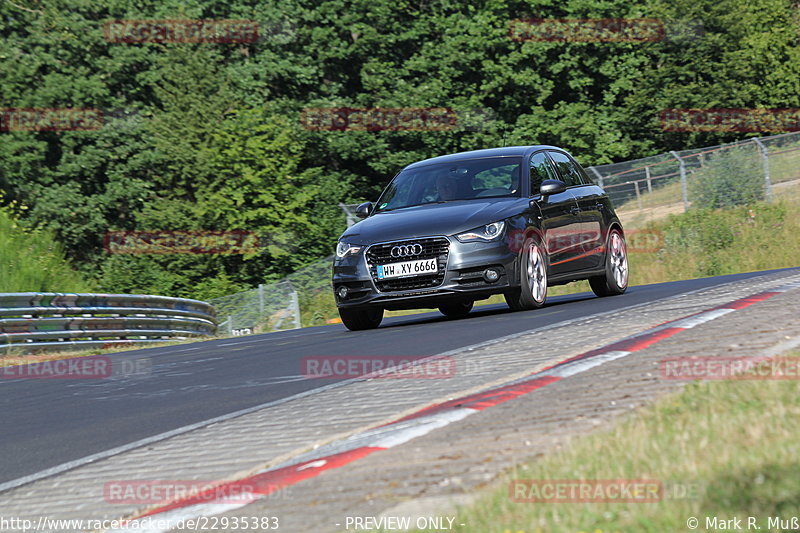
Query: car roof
[[508, 151]]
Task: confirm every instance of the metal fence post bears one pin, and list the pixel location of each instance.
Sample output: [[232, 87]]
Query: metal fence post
[[765, 158], [230, 325], [599, 177], [349, 215], [638, 194], [261, 301], [684, 189], [296, 308], [649, 181]]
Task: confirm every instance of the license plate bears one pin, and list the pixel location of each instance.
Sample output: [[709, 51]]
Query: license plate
[[407, 268]]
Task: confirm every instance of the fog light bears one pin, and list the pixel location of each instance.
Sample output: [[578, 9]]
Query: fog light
[[342, 292], [491, 275]]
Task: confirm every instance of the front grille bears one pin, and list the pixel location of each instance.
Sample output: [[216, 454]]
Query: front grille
[[432, 247]]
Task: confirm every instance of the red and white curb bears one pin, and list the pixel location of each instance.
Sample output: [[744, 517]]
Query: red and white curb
[[343, 452]]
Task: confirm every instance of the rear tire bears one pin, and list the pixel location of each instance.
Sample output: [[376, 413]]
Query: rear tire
[[360, 319], [456, 310], [533, 279], [615, 280]]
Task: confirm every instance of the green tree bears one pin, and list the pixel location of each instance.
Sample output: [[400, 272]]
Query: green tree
[[260, 185], [208, 136]]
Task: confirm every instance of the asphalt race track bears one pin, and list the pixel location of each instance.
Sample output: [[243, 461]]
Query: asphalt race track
[[48, 422]]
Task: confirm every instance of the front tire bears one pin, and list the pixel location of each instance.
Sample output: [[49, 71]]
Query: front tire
[[360, 319], [533, 279], [615, 280], [456, 310]]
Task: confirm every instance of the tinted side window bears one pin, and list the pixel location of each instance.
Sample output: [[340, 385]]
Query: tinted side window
[[541, 170], [584, 175], [569, 171]]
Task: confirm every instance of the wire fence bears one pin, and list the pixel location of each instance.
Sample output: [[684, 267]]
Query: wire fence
[[715, 176], [349, 213], [275, 306]]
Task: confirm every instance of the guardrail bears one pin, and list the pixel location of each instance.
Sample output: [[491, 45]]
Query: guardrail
[[37, 321]]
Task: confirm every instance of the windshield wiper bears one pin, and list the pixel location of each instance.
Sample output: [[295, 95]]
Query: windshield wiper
[[432, 202], [415, 205]]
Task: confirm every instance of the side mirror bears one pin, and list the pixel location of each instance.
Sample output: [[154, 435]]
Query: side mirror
[[552, 187], [363, 210]]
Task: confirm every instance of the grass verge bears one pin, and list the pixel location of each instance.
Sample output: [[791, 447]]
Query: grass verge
[[706, 242], [32, 261], [727, 449]]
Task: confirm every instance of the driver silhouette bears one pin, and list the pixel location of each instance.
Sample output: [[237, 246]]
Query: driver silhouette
[[447, 186]]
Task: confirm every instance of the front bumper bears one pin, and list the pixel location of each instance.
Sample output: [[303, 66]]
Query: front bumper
[[463, 266]]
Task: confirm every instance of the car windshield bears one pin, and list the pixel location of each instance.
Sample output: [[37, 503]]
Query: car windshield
[[469, 179]]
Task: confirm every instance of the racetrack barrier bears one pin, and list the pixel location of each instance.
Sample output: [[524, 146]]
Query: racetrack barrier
[[40, 321]]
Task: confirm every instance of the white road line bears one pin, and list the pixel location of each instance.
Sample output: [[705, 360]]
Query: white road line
[[570, 369], [191, 427], [702, 318]]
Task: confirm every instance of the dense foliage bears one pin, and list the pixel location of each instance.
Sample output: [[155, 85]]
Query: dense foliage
[[208, 136], [31, 261], [728, 181]]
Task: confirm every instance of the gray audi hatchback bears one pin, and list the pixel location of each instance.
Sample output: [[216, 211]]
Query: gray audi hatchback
[[451, 230]]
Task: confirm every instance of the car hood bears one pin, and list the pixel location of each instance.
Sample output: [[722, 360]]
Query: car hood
[[432, 219]]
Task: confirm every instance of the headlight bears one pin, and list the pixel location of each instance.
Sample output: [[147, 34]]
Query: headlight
[[489, 232], [342, 249]]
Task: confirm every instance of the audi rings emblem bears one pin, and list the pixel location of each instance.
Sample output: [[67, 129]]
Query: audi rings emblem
[[406, 250]]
